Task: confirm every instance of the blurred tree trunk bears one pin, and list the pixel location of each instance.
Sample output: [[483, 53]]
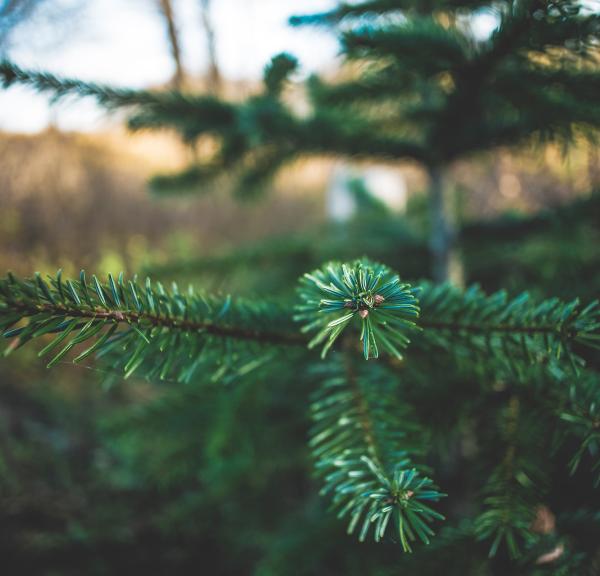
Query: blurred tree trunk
[[442, 234], [166, 8], [214, 74]]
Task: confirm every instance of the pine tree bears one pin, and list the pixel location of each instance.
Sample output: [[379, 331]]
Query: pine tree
[[375, 446], [424, 89]]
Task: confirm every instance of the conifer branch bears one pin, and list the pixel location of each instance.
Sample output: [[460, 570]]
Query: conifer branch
[[392, 313], [170, 323], [362, 454], [421, 41], [345, 10], [245, 130], [166, 331], [511, 491], [514, 329], [580, 416], [386, 308], [187, 112], [333, 298]]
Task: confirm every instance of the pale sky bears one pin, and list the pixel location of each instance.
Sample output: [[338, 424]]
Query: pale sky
[[123, 42]]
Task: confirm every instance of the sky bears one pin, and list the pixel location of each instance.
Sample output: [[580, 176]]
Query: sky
[[123, 43]]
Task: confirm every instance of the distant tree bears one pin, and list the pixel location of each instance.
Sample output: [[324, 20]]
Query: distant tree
[[214, 73], [427, 90], [166, 9]]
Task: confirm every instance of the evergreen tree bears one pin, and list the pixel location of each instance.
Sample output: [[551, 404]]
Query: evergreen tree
[[451, 431], [378, 436], [424, 88]]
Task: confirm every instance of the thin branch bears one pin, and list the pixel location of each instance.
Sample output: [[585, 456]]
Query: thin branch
[[128, 317], [362, 405], [486, 328]]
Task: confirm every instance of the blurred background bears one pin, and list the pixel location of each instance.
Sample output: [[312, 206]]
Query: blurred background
[[140, 478]]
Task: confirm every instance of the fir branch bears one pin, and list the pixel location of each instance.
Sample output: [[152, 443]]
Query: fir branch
[[195, 113], [332, 298], [243, 130], [193, 179], [332, 131], [257, 172], [429, 47], [278, 71], [581, 418], [345, 10], [171, 323], [387, 309], [515, 329], [511, 491], [169, 330], [362, 454]]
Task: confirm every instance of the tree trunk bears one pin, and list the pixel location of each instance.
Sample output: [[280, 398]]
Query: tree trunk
[[441, 239], [166, 8], [214, 74]]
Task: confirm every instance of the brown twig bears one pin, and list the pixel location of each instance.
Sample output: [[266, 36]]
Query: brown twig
[[121, 316]]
